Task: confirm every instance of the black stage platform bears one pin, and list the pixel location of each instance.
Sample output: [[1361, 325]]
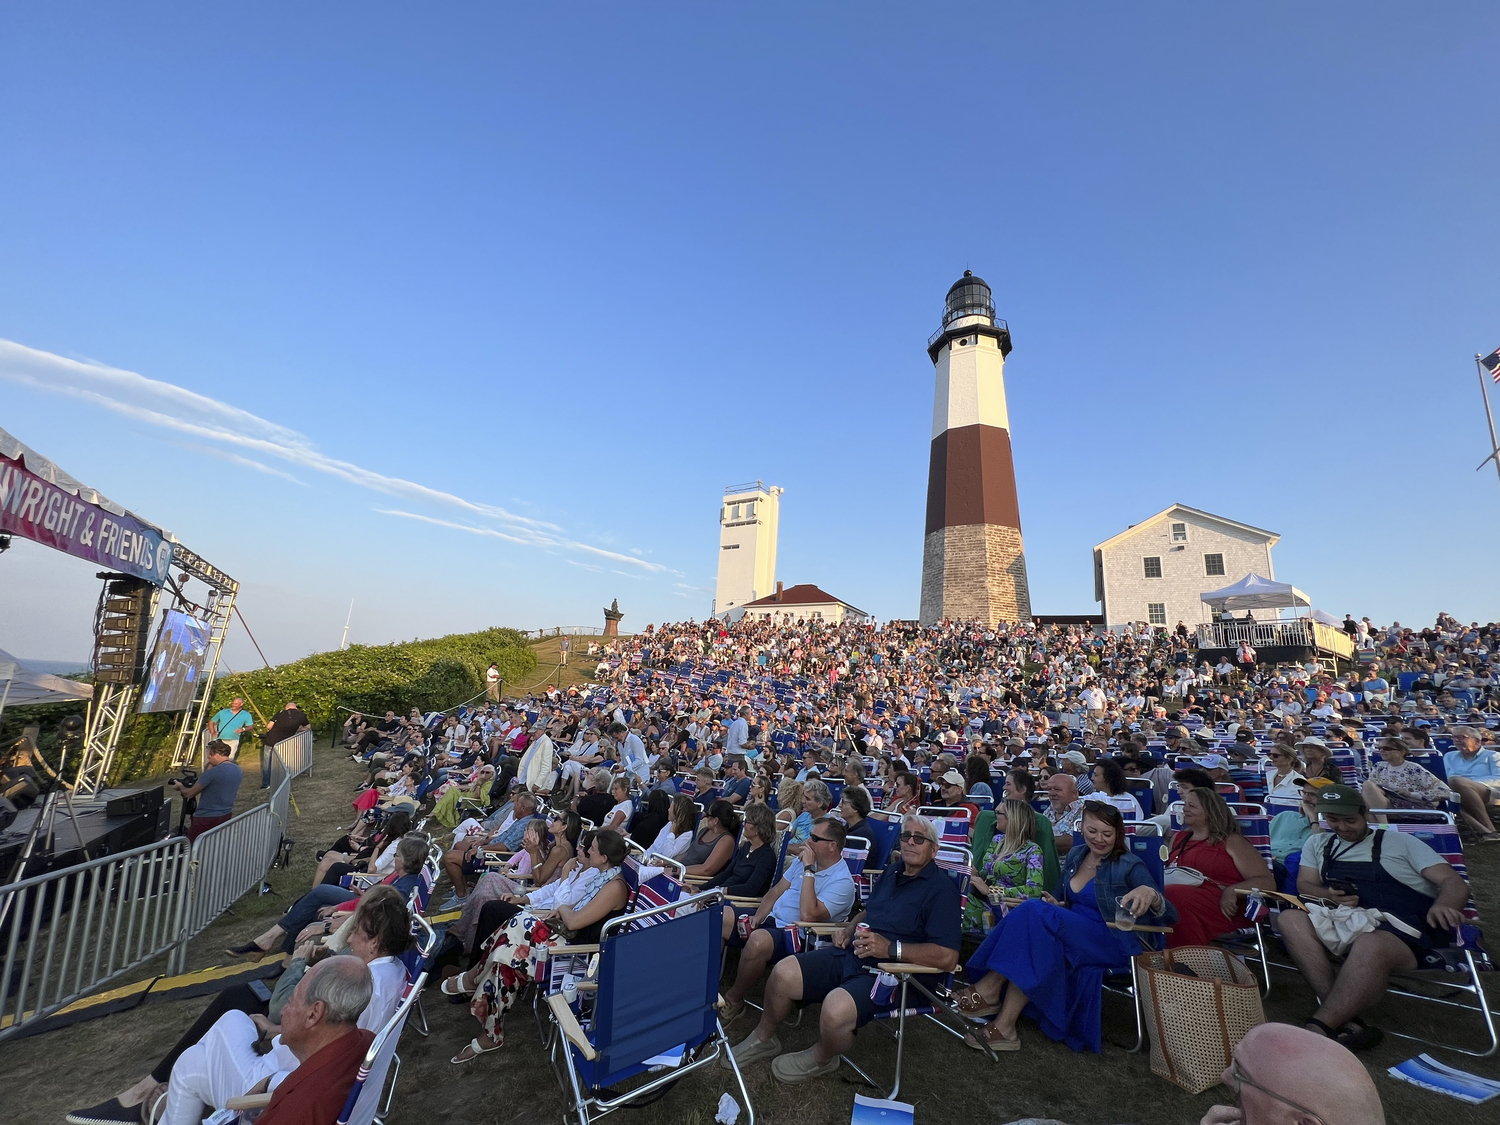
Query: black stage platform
[[97, 833]]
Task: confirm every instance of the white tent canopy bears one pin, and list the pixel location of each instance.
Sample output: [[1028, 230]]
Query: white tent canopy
[[1256, 592], [27, 686]]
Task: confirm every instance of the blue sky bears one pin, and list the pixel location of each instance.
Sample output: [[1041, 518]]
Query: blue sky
[[558, 276]]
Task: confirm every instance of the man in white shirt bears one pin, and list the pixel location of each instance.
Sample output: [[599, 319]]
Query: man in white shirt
[[632, 752], [738, 735], [817, 887]]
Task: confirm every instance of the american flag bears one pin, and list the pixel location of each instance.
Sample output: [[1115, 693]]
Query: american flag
[[1492, 364]]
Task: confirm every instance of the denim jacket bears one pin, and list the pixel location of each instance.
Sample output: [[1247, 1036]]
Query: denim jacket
[[1112, 879]]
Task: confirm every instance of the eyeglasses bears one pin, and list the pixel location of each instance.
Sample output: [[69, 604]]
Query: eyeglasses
[[820, 839], [914, 838], [1238, 1078]]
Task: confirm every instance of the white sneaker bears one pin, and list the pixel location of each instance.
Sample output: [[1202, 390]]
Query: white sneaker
[[752, 1049]]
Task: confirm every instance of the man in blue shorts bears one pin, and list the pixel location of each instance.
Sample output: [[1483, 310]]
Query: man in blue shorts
[[817, 887], [913, 917]]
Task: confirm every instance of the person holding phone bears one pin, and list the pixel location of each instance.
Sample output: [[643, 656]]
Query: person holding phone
[[1355, 865]]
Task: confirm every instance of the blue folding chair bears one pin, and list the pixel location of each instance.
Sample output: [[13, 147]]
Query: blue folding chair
[[656, 994], [933, 1003]]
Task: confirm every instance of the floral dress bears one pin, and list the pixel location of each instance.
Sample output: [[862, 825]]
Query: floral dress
[[1409, 785], [514, 956], [1019, 874]]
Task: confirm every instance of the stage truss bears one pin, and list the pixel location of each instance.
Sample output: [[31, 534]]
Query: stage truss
[[112, 702]]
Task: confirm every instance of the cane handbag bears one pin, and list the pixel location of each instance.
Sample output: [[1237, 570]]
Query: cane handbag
[[1199, 1002]]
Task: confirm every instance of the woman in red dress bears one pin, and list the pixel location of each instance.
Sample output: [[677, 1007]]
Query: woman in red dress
[[1208, 862]]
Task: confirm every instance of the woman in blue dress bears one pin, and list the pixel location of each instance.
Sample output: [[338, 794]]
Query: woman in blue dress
[[1048, 957]]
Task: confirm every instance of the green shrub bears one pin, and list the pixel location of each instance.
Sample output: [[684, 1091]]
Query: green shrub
[[431, 675]]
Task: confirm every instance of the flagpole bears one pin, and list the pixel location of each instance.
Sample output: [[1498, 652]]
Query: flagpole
[[1489, 415]]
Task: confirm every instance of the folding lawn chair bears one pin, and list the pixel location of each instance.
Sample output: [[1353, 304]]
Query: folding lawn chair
[[655, 998]]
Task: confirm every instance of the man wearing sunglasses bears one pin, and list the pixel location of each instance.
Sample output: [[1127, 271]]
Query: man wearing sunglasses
[[1284, 1075], [817, 887], [913, 916]]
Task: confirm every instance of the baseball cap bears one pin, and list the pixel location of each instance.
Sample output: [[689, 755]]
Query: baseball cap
[[1340, 799], [1074, 756], [1314, 782], [1212, 761], [1313, 740], [953, 777]]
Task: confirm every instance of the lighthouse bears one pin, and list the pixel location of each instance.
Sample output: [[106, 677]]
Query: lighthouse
[[973, 566]]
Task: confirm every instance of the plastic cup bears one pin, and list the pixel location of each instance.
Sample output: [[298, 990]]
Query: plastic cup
[[1124, 919]]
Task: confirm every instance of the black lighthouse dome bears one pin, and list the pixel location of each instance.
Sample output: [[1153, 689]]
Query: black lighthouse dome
[[969, 296]]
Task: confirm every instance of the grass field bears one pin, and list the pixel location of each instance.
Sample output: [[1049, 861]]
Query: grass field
[[45, 1075]]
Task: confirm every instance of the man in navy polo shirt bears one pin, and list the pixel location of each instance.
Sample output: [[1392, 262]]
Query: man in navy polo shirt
[[913, 917]]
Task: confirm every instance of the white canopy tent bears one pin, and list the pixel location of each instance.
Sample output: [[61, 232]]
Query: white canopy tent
[[1256, 592], [19, 684]]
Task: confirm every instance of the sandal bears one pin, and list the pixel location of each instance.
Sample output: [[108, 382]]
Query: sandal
[[475, 1051], [458, 990], [991, 1037], [1355, 1035], [971, 1002], [250, 951]]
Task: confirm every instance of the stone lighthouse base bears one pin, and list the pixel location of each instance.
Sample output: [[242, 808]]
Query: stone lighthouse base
[[974, 571]]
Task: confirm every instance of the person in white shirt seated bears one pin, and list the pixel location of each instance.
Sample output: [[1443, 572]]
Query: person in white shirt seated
[[584, 754], [1283, 775], [224, 1062], [619, 816], [675, 838], [817, 887], [1109, 786]]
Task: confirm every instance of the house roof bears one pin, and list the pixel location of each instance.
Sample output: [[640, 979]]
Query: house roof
[[1271, 537], [803, 594]]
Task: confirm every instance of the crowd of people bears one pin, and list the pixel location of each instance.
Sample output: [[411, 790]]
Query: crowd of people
[[754, 756]]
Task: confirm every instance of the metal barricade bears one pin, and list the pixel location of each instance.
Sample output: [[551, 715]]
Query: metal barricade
[[231, 859], [68, 933], [71, 932], [296, 753]]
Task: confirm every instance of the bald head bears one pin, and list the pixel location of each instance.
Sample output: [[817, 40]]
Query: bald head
[[1308, 1069], [1062, 789]]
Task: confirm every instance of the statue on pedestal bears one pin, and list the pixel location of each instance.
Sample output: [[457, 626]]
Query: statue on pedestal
[[612, 617]]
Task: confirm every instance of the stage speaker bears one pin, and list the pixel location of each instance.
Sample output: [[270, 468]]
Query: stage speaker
[[133, 804], [122, 629]]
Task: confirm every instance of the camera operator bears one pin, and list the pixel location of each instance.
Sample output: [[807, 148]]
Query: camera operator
[[216, 790]]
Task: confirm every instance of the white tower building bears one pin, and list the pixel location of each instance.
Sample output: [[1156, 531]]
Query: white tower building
[[747, 545]]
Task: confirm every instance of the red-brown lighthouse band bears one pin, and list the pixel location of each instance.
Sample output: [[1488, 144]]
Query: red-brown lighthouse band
[[971, 478]]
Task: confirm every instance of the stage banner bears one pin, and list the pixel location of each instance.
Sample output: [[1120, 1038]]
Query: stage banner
[[35, 509]]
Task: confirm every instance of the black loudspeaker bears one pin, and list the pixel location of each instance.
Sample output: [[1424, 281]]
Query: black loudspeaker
[[7, 814], [122, 627], [133, 804]]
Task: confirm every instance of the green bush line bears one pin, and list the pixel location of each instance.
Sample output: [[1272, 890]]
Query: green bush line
[[431, 675]]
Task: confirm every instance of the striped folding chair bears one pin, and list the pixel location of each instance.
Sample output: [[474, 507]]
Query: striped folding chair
[[955, 825]]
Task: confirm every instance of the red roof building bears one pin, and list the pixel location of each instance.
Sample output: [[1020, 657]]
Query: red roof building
[[803, 602]]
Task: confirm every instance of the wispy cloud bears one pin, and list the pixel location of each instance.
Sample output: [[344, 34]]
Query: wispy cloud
[[182, 411]]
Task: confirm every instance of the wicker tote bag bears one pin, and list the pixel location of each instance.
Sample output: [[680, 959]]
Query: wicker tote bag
[[1199, 1002]]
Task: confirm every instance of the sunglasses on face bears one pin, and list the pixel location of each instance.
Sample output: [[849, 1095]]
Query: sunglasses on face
[[820, 839], [914, 838]]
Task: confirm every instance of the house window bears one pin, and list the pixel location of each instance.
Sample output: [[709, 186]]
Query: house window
[[750, 510], [1153, 566], [734, 511], [1156, 613], [1179, 533], [1213, 565]]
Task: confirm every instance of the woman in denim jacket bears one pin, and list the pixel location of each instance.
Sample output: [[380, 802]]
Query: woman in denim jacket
[[1048, 957]]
